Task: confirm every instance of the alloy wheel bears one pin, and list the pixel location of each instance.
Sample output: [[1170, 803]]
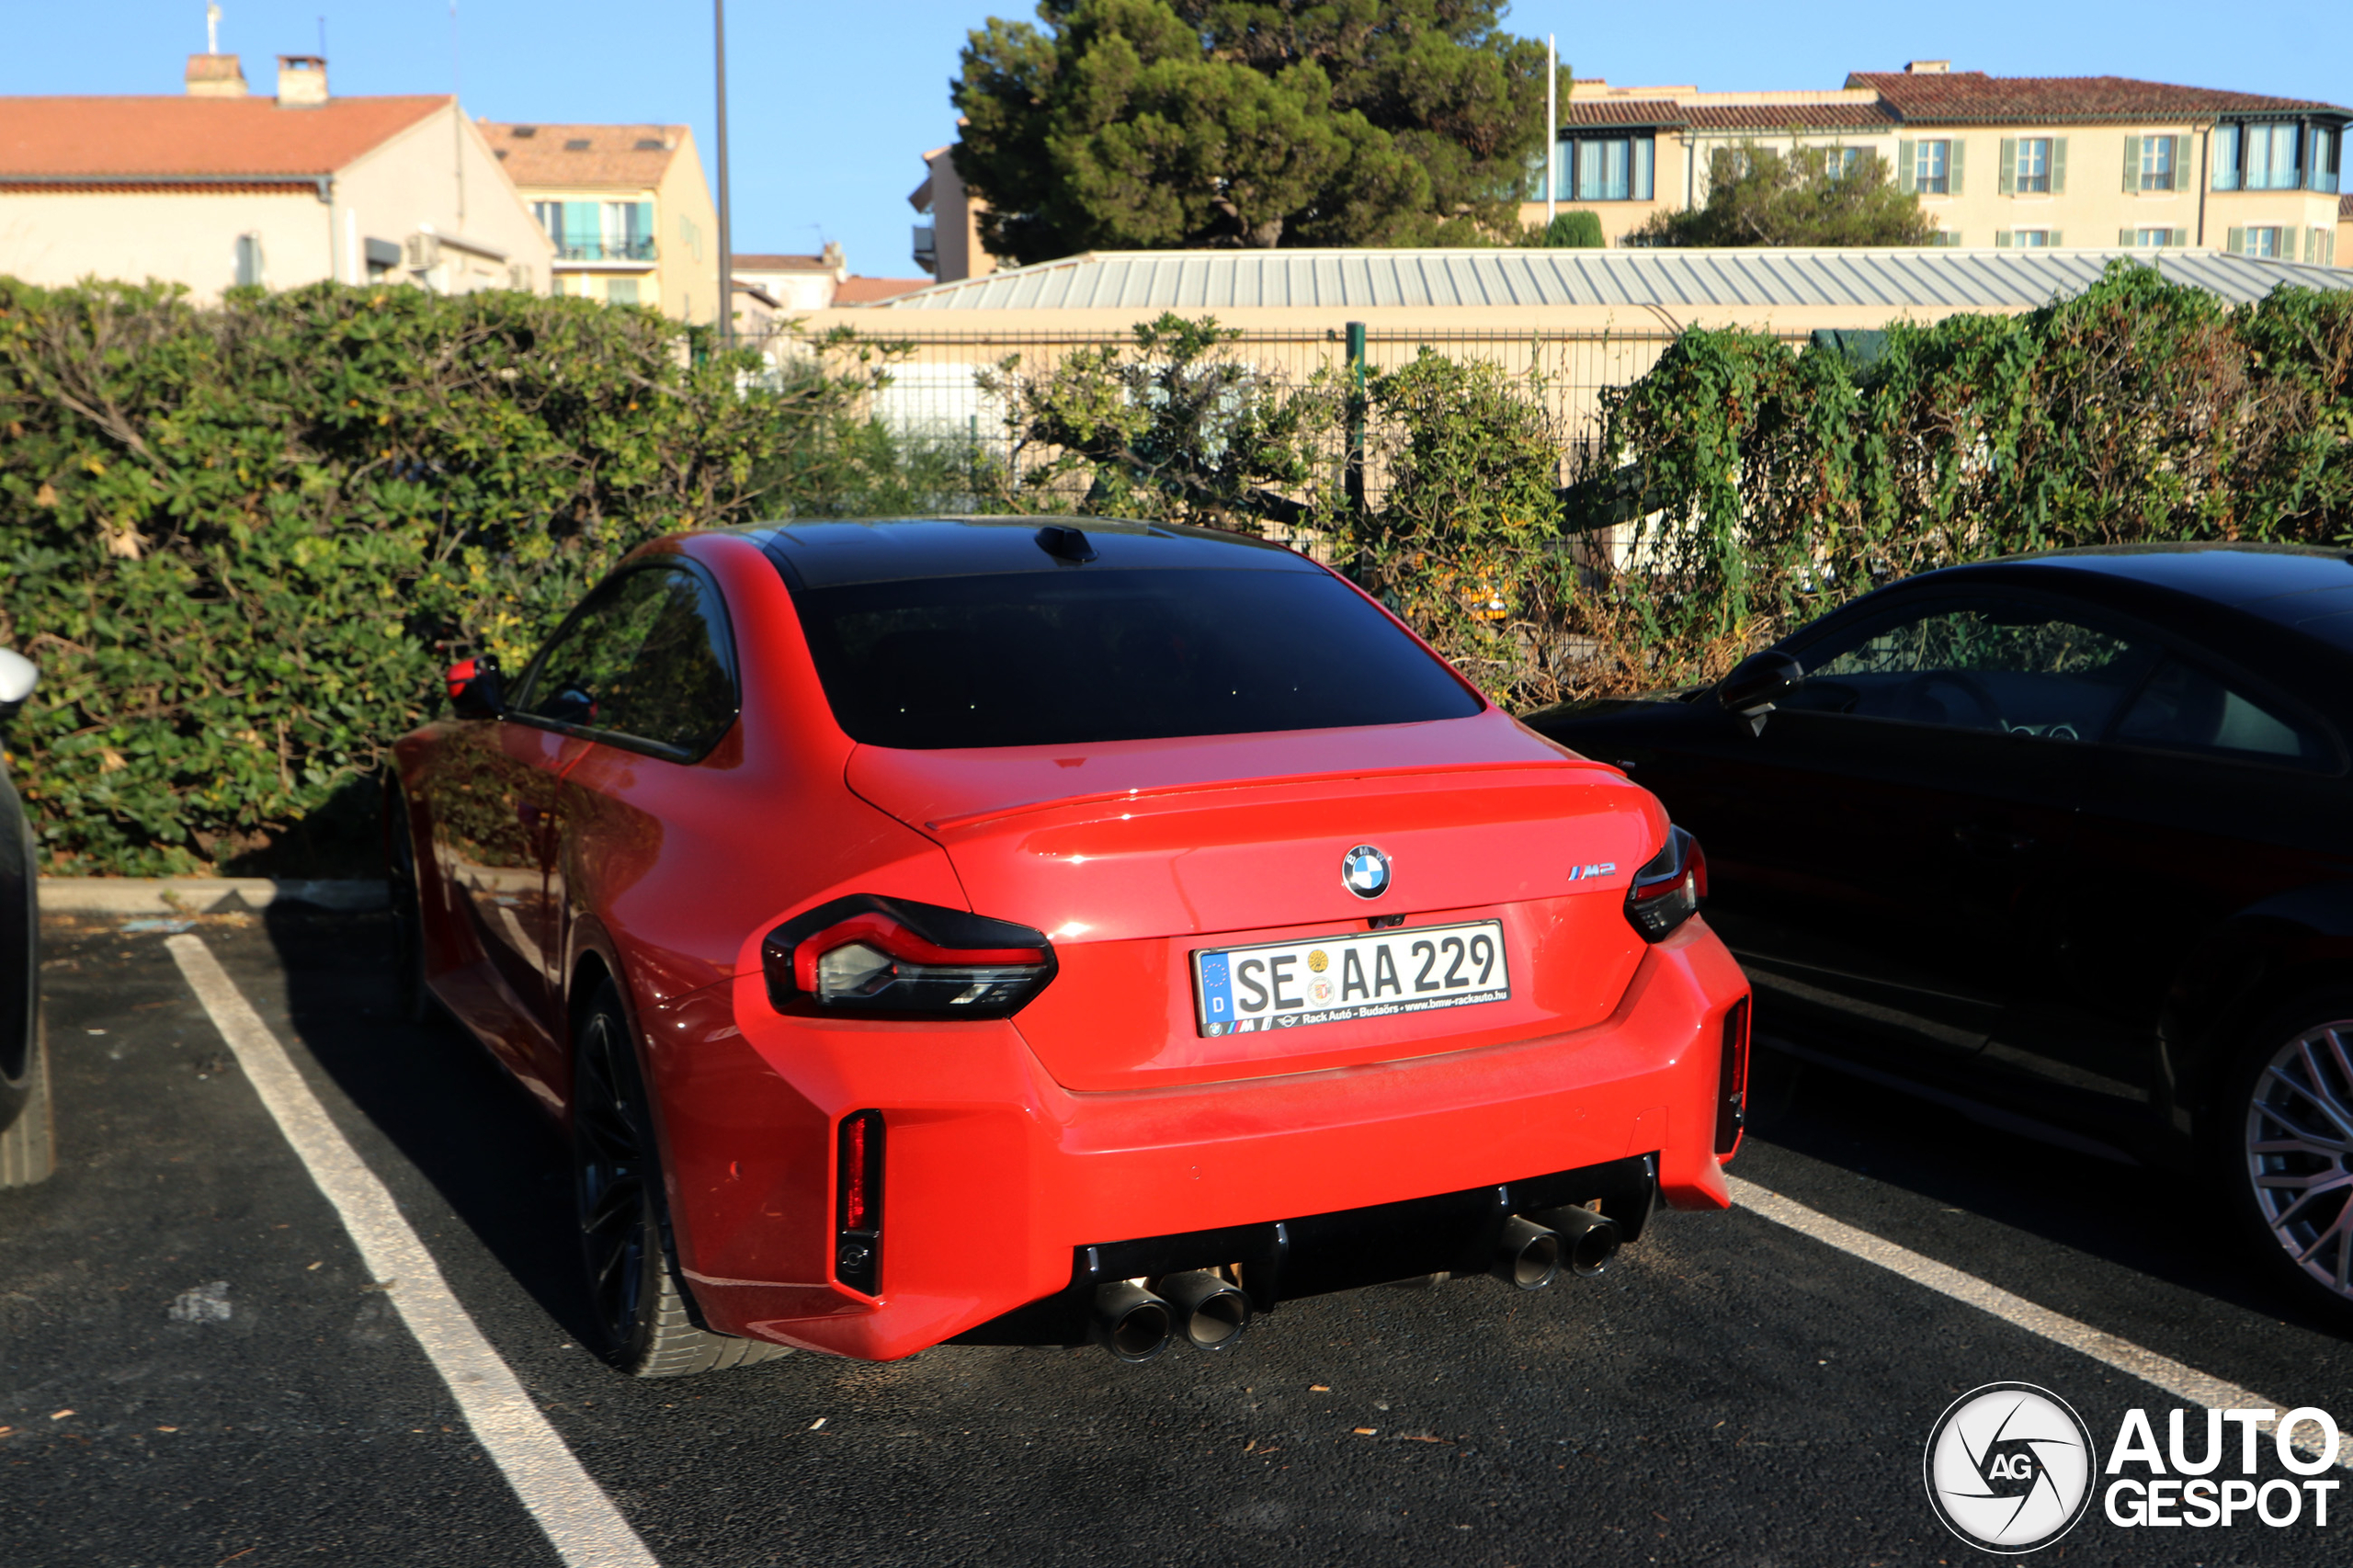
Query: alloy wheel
[[611, 1169], [2299, 1151]]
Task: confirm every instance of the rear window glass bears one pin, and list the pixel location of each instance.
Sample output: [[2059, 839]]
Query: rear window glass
[[1073, 657]]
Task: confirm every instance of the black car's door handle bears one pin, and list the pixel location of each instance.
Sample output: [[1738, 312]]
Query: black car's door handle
[[1988, 840]]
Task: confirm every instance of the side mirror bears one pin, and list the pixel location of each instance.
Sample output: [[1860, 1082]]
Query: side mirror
[[1756, 683], [477, 691], [18, 676]]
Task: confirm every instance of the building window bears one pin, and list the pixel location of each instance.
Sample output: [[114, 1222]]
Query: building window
[[1933, 168], [621, 291], [2033, 165], [2153, 239], [1838, 163], [1617, 168], [2155, 159], [2264, 242], [248, 260], [598, 230], [2026, 239], [2320, 247], [2256, 157], [2329, 152]]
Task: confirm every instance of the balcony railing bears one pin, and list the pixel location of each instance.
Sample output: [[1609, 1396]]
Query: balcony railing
[[605, 250]]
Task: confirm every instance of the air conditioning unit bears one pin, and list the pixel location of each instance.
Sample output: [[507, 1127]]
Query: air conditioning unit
[[424, 251]]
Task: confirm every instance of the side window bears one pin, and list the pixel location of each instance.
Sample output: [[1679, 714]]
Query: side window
[[647, 657], [2183, 709], [2010, 669]]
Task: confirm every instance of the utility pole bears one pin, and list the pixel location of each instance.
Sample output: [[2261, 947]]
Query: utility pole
[[1551, 129], [726, 232]]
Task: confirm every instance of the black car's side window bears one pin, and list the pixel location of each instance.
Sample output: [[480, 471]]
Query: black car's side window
[[647, 656], [2185, 708], [2010, 669]]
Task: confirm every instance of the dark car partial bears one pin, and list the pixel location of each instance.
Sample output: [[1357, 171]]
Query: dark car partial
[[2065, 836]]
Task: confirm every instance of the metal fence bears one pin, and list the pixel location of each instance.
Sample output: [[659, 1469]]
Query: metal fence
[[935, 392]]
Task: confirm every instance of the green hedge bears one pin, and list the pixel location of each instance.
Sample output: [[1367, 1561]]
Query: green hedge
[[242, 541]]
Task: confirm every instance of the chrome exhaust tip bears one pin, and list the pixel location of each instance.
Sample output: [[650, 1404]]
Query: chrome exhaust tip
[[1588, 1241], [1211, 1310], [1528, 1256], [1134, 1323]]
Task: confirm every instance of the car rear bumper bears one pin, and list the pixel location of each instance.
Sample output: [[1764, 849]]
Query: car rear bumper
[[993, 1175]]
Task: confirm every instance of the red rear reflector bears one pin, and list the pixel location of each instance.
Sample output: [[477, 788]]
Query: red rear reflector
[[1732, 1099], [858, 1201]]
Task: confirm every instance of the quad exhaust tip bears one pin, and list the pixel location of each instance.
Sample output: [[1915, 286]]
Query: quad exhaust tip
[[1210, 1310], [1588, 1241], [1528, 1256], [1134, 1323]]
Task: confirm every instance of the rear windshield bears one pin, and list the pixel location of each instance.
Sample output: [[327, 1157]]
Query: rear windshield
[[1072, 657]]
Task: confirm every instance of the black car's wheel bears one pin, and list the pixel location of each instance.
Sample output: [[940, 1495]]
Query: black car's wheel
[[2286, 1142], [642, 1317], [405, 893], [29, 1145]]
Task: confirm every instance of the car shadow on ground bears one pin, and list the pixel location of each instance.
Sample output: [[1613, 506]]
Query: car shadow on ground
[[489, 1150], [2168, 1225]]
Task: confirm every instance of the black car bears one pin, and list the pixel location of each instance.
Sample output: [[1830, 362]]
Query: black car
[[28, 1147], [2067, 836]]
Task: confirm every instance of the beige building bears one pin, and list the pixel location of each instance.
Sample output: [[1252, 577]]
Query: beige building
[[222, 187], [627, 209], [797, 283], [1998, 162], [949, 246]]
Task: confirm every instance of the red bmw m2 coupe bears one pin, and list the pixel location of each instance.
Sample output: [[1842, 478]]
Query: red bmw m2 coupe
[[977, 930]]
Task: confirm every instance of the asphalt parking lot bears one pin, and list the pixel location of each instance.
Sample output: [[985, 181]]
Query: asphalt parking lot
[[196, 1368]]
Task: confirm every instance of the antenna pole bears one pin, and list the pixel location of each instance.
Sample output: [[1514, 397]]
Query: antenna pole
[[212, 30], [1551, 130], [726, 232]]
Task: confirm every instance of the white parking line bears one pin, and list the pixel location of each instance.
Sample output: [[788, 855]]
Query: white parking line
[[581, 1522], [2183, 1382]]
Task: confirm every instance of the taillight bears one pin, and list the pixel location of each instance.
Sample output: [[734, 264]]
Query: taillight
[[1668, 890], [871, 957], [1731, 1080], [858, 1201]]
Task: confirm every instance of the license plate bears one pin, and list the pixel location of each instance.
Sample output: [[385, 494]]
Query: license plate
[[1326, 980]]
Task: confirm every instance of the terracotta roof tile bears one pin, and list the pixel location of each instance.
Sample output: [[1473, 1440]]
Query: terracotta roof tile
[[782, 264], [1973, 97], [121, 137], [1782, 116], [1623, 112], [630, 156]]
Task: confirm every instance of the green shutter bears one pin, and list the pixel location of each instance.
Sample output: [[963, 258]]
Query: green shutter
[[2126, 238], [2058, 165], [2181, 236], [2002, 239], [2054, 239], [1952, 165], [1905, 179], [2184, 169], [2009, 182], [2236, 244], [2131, 163]]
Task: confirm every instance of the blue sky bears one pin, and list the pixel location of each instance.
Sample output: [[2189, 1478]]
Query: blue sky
[[834, 104]]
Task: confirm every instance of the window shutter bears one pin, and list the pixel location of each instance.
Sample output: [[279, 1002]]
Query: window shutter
[[2236, 244], [1906, 180], [2181, 236], [2126, 238], [2002, 239], [1952, 165], [2054, 238], [2009, 180], [2131, 163], [2058, 165], [2185, 171]]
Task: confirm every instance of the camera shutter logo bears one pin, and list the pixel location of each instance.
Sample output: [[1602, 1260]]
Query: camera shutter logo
[[2009, 1468]]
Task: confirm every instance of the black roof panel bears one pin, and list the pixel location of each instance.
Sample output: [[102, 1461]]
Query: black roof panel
[[826, 555], [2241, 575]]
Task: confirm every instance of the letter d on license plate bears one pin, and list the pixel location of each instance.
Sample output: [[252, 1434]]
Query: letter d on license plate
[[1279, 985]]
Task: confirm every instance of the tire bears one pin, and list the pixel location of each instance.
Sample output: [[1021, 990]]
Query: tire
[[28, 1146], [643, 1322], [2284, 1134]]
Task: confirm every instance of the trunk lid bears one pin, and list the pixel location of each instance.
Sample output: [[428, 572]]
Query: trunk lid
[[1135, 855]]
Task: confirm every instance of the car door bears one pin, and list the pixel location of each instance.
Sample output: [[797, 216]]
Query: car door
[[1895, 843], [2213, 791]]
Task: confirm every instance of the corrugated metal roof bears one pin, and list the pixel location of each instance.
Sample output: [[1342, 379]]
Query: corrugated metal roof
[[1371, 279]]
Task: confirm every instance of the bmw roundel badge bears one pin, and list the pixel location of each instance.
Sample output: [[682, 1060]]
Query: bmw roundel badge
[[1365, 870]]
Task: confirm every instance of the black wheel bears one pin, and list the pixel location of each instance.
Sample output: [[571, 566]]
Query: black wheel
[[2285, 1143], [643, 1321], [29, 1145], [406, 895]]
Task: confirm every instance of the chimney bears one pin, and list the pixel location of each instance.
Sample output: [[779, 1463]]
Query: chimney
[[302, 81], [1927, 68], [215, 76]]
